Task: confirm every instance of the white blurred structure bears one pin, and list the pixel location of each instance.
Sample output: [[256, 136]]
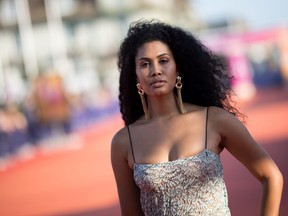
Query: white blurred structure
[[77, 38]]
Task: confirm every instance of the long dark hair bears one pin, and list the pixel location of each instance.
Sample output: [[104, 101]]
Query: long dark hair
[[205, 77]]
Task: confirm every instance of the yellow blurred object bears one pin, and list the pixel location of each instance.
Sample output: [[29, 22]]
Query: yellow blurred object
[[52, 105]]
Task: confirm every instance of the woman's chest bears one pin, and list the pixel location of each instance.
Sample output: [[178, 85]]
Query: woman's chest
[[166, 143]]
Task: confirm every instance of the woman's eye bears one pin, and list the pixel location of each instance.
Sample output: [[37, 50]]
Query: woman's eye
[[163, 61], [144, 64]]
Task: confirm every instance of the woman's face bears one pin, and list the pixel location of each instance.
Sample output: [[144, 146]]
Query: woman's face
[[155, 68]]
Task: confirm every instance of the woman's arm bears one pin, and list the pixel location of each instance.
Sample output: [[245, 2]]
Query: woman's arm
[[238, 141], [128, 191]]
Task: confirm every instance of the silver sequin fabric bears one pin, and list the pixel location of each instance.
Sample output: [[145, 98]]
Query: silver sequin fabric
[[190, 186]]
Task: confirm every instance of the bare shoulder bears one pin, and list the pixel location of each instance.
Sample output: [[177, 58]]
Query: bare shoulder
[[120, 135], [220, 115], [223, 121], [120, 141]]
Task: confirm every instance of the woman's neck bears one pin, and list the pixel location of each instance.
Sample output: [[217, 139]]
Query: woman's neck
[[160, 107]]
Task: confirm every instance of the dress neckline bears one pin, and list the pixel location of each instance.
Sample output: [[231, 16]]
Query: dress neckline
[[204, 151]]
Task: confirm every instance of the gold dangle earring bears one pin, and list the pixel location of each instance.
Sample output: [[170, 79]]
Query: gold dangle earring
[[143, 101], [179, 96]]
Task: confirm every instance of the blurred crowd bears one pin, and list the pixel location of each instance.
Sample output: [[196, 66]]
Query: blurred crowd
[[47, 111]]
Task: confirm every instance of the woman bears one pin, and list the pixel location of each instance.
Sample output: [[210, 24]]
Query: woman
[[166, 159]]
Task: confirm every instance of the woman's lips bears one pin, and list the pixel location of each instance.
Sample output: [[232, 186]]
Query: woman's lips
[[157, 83]]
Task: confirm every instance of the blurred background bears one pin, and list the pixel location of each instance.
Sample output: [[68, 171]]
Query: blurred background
[[59, 88]]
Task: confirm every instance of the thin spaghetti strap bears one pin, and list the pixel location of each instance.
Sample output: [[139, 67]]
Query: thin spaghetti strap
[[131, 143], [206, 126]]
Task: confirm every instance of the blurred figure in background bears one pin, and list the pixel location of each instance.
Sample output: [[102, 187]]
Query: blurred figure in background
[[51, 104], [13, 132]]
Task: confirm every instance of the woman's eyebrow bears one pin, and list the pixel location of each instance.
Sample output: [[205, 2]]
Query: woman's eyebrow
[[159, 56]]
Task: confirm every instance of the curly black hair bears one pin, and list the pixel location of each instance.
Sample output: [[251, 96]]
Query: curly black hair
[[204, 74]]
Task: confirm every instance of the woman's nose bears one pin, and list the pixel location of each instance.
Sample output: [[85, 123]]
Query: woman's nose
[[155, 71]]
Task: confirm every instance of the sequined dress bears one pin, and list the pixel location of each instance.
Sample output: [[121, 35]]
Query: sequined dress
[[190, 186]]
